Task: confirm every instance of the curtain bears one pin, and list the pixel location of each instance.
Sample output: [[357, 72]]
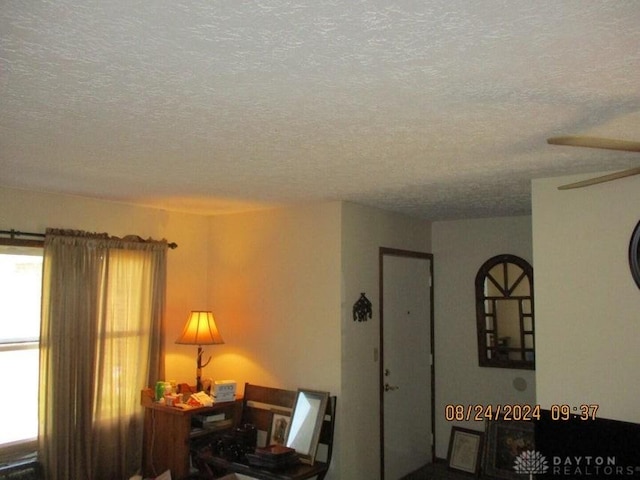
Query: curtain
[[101, 343]]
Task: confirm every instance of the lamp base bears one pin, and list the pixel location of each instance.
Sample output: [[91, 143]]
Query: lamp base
[[199, 366]]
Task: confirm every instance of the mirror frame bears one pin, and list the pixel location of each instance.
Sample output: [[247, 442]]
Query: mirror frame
[[313, 424], [481, 313]]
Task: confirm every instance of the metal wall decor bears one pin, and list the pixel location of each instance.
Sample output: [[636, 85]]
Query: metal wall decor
[[362, 309]]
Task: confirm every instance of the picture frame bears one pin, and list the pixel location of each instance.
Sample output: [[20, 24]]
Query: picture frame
[[307, 416], [465, 450], [277, 434], [505, 442]]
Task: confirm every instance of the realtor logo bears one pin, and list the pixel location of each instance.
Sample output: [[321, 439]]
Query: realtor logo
[[531, 462]]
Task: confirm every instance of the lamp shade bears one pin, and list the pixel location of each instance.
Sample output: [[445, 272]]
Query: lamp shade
[[200, 329]]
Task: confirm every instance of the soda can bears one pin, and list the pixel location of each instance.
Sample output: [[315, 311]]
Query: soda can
[[159, 391]]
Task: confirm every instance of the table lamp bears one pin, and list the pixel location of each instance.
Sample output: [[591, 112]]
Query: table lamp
[[200, 330]]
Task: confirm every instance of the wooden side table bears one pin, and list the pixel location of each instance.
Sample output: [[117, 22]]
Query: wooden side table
[[168, 434]]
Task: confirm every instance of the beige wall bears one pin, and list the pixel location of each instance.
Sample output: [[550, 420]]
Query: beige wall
[[274, 280], [587, 305], [281, 284], [272, 274], [364, 231], [460, 248], [275, 290], [34, 212]]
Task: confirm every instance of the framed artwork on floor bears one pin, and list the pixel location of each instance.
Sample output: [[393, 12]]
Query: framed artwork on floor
[[507, 449], [465, 450]]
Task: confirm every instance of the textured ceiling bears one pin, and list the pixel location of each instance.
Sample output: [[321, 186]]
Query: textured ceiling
[[436, 108]]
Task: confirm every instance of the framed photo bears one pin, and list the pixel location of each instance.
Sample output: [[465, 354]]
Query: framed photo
[[505, 443], [280, 420], [465, 450]]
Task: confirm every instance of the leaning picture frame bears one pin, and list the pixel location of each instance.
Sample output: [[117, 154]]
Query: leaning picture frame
[[465, 450], [506, 441], [307, 416]]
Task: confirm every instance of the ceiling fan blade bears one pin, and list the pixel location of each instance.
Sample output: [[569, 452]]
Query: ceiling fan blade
[[602, 179], [596, 142]]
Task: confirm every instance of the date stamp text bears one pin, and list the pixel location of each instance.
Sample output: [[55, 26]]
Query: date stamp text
[[516, 412]]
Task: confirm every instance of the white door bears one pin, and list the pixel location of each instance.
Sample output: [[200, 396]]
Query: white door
[[406, 375]]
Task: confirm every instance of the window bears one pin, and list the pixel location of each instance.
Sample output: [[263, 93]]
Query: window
[[20, 297]]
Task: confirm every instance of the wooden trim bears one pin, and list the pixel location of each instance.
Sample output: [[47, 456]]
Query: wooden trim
[[18, 242]]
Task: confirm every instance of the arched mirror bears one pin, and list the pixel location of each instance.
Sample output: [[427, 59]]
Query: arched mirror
[[504, 311]]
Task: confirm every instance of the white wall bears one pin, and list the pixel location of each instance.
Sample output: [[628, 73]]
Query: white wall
[[587, 305], [460, 248], [364, 230]]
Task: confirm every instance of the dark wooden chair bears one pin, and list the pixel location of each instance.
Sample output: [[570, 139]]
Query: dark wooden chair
[[259, 404]]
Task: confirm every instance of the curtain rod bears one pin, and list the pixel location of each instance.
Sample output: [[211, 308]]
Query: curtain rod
[[15, 233]]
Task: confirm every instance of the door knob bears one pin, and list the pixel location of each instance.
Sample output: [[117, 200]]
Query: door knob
[[388, 387]]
